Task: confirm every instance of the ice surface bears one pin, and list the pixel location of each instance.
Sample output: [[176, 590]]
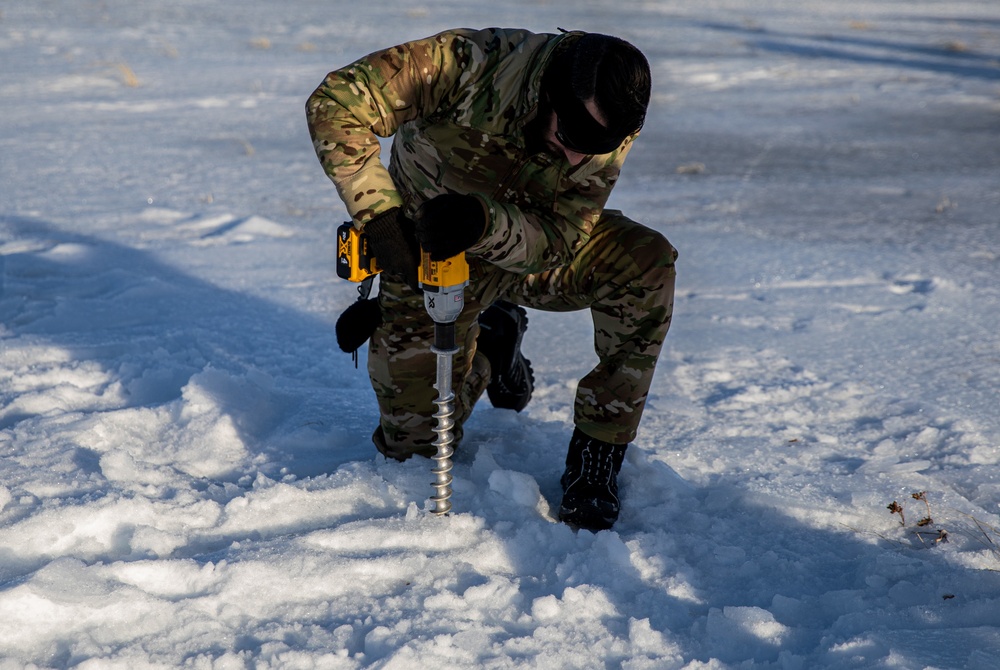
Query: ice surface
[[187, 477]]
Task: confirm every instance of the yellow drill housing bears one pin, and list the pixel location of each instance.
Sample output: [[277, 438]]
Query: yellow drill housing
[[444, 285], [452, 271]]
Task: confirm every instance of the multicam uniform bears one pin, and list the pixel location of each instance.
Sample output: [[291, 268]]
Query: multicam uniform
[[457, 105]]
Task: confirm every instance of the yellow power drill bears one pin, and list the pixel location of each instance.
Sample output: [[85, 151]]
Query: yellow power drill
[[443, 284]]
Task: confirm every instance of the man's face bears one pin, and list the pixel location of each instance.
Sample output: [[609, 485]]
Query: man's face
[[551, 135]]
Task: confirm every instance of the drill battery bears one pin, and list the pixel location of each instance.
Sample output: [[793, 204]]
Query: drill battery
[[355, 259]]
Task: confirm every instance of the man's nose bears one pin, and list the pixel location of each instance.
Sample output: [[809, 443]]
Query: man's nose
[[572, 157]]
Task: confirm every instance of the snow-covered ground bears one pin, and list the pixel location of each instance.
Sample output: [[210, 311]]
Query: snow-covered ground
[[187, 477]]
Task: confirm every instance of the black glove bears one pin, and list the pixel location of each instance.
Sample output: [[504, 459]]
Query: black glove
[[394, 244], [449, 224], [357, 324]]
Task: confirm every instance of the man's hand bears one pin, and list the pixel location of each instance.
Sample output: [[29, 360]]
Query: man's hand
[[395, 245], [449, 224]]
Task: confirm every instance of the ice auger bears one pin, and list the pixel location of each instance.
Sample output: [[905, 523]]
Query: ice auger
[[443, 284]]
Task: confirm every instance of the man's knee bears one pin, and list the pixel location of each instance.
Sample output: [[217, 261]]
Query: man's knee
[[650, 249], [649, 254]]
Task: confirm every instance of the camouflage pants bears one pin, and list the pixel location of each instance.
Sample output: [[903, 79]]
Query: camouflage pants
[[624, 275]]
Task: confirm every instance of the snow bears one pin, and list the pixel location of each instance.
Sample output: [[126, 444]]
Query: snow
[[187, 477]]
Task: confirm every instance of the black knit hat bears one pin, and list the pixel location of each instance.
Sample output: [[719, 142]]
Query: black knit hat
[[608, 70]]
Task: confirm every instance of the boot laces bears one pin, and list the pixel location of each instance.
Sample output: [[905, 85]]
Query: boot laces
[[598, 468]]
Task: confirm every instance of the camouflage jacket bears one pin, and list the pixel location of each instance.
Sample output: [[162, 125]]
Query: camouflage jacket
[[457, 104]]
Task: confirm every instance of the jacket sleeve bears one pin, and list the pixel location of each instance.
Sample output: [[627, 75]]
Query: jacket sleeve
[[371, 98], [533, 239]]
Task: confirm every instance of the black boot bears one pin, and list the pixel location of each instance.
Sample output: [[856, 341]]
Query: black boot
[[590, 483], [501, 327]]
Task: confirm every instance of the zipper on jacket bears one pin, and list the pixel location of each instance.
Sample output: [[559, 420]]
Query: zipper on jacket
[[508, 178]]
